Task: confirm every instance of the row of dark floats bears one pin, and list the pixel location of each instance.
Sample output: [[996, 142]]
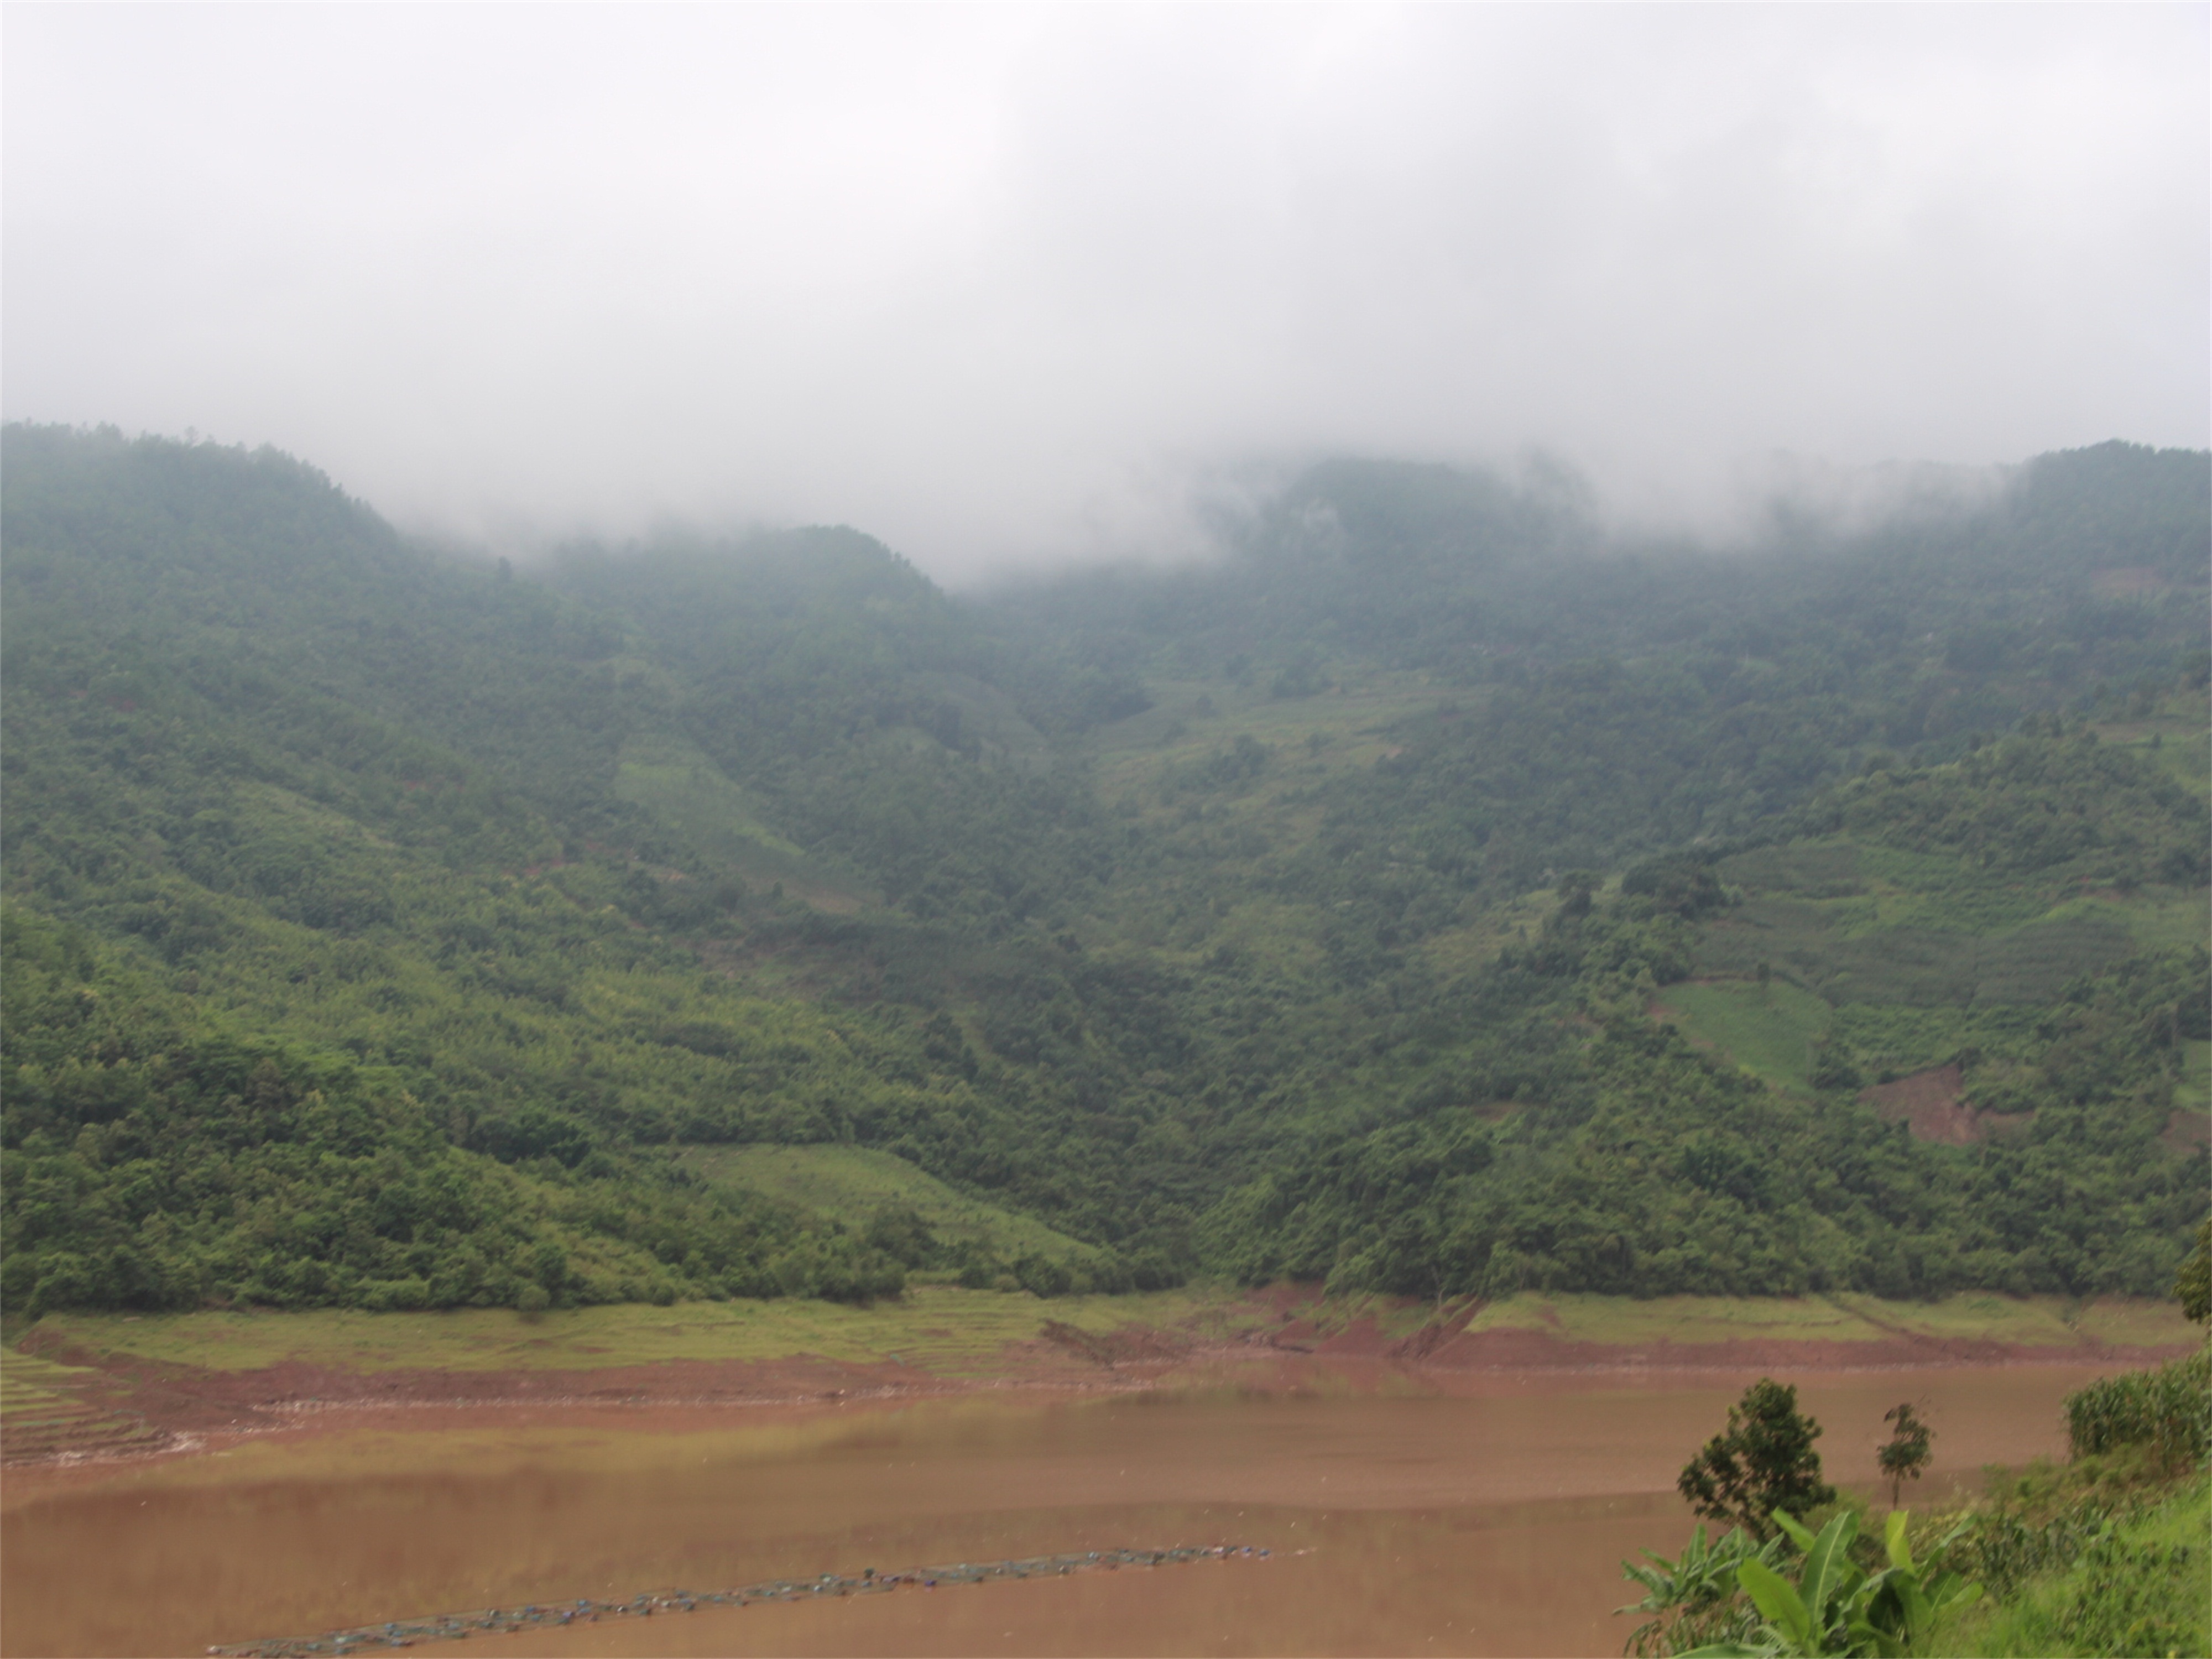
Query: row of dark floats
[[501, 1621]]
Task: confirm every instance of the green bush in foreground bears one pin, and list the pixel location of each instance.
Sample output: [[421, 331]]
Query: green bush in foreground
[[2168, 1410], [1694, 1598], [2142, 1586], [1836, 1606], [2107, 1555]]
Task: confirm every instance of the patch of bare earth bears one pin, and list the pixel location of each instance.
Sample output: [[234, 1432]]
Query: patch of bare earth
[[1933, 1106], [2187, 1133]]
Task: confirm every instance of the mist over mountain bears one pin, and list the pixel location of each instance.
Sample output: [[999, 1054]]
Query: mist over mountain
[[1021, 289]]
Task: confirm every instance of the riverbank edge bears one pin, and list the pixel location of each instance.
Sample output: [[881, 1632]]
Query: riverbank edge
[[1278, 1337]]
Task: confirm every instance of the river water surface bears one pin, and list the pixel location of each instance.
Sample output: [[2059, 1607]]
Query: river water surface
[[1472, 1514]]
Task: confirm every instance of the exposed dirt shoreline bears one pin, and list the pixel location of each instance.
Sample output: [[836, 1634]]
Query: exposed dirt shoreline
[[193, 1409]]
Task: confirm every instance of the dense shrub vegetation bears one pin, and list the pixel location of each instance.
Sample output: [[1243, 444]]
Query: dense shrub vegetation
[[381, 923]]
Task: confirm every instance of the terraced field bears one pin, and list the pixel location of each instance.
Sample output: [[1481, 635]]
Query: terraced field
[[44, 1416], [1903, 961], [1840, 949]]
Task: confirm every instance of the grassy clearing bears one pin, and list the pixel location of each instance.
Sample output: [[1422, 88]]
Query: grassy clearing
[[1177, 770], [2130, 1322], [1804, 869], [851, 1183], [1876, 925], [1938, 948], [1893, 1041], [951, 1332], [2039, 1322], [1461, 950], [2053, 1322], [943, 1328], [1191, 717], [2171, 736], [989, 718], [687, 791], [1287, 934], [2195, 1086], [1620, 1321], [1769, 1031], [2169, 916], [1939, 891]]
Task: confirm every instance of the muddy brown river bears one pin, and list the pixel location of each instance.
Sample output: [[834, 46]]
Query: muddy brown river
[[1476, 1514]]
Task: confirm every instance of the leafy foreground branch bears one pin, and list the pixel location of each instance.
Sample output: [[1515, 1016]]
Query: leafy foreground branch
[[1693, 1599], [1837, 1606]]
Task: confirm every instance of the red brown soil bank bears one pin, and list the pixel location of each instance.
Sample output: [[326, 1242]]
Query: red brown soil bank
[[189, 1399], [185, 1405]]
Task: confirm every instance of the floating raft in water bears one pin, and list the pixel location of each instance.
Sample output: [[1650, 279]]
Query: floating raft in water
[[501, 1621]]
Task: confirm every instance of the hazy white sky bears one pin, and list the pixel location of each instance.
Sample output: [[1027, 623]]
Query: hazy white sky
[[1009, 283]]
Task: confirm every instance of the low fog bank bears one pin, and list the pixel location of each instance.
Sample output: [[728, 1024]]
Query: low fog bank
[[1018, 287], [1750, 506], [1203, 517], [1329, 508], [1173, 513]]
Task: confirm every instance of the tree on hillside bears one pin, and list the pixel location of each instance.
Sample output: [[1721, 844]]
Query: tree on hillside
[[1763, 1461]]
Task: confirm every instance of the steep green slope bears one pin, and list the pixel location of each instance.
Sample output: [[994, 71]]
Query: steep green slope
[[1937, 913], [1276, 964], [158, 1156], [340, 795], [1642, 1164]]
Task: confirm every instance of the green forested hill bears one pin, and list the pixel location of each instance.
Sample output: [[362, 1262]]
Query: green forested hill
[[1718, 1137], [384, 927]]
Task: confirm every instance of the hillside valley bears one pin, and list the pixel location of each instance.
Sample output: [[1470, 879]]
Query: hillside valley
[[1436, 897]]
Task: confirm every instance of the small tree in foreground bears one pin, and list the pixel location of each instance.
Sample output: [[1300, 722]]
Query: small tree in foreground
[[1764, 1462], [1905, 1453]]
